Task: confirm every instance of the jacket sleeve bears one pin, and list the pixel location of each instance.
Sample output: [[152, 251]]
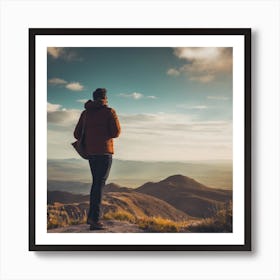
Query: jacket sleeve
[[114, 125], [79, 127]]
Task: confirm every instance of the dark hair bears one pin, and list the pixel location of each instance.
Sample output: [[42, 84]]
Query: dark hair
[[99, 93]]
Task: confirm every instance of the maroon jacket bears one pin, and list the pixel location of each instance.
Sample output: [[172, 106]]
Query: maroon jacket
[[101, 126]]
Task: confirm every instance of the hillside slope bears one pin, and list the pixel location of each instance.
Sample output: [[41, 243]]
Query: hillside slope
[[141, 205], [187, 195], [68, 208]]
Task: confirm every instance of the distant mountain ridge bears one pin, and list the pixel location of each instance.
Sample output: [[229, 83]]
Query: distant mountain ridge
[[187, 195], [217, 174], [65, 197]]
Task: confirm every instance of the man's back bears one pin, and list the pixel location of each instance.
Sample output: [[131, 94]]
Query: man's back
[[101, 125]]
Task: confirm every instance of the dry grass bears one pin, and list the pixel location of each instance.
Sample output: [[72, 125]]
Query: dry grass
[[149, 224], [158, 224], [220, 222], [58, 217], [120, 216]]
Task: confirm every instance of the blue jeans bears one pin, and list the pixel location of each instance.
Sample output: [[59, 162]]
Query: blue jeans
[[100, 166]]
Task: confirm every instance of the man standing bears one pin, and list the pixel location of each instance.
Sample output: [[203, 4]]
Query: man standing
[[101, 125]]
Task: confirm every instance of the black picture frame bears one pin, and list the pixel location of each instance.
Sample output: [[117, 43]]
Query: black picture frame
[[245, 32]]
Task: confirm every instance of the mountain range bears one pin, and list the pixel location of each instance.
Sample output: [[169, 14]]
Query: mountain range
[[176, 198], [215, 174]]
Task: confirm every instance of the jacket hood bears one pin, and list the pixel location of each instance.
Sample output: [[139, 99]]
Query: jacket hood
[[96, 104]]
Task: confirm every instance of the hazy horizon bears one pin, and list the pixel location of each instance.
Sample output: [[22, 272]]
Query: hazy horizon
[[135, 173], [150, 160]]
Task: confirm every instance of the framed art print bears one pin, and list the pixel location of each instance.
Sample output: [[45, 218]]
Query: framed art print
[[165, 119]]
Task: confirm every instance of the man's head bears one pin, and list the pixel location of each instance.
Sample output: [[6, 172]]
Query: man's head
[[99, 93]]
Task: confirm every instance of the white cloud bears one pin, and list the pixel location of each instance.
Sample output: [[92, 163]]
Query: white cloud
[[57, 81], [203, 64], [137, 96], [61, 125], [60, 116], [218, 97], [209, 54], [64, 117], [134, 95], [75, 86], [203, 78], [82, 100], [198, 107], [63, 53], [55, 52], [53, 107], [173, 72]]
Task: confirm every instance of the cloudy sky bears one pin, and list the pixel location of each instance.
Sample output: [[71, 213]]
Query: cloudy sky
[[174, 104]]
